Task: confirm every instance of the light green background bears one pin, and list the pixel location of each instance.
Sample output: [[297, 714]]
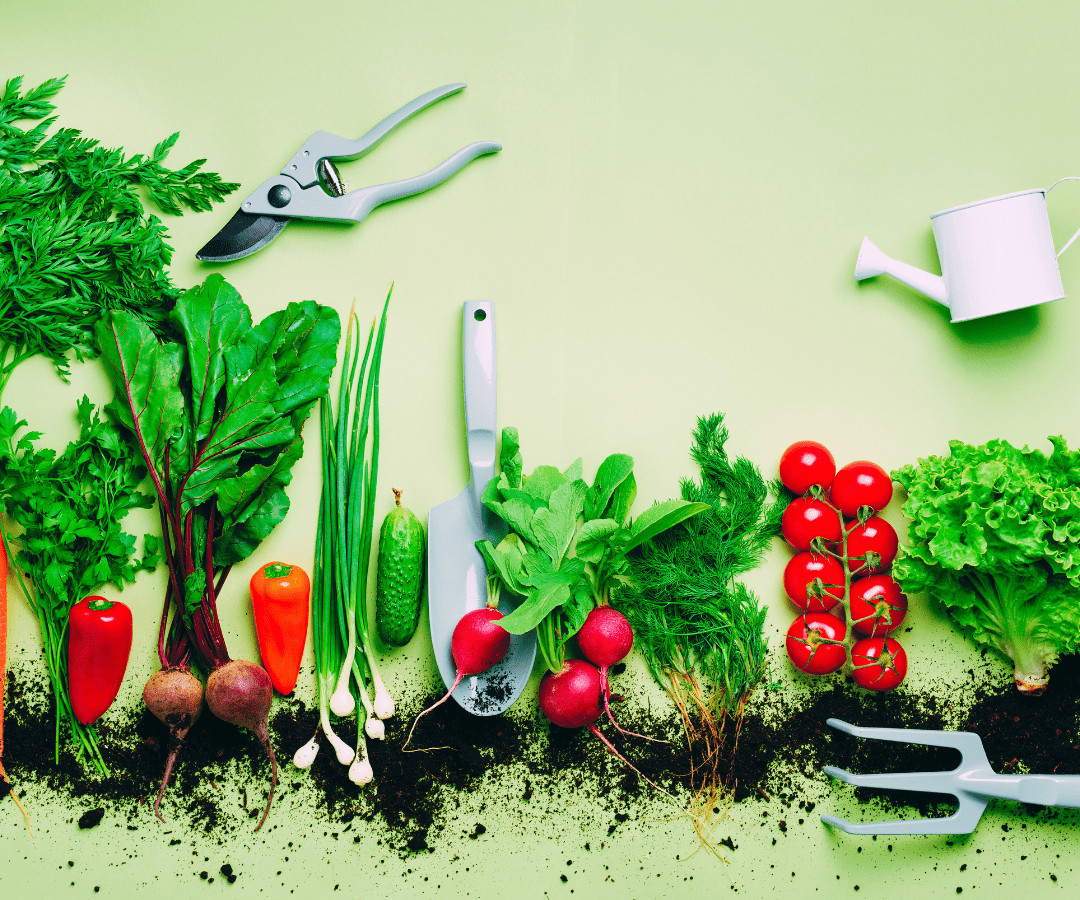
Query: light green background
[[670, 230]]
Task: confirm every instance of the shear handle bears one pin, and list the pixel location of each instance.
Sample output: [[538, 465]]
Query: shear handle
[[315, 203], [324, 145]]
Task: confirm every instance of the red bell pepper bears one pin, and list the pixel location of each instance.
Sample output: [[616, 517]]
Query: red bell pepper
[[279, 599], [99, 645]]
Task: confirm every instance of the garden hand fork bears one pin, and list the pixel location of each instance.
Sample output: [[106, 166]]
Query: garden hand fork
[[973, 783]]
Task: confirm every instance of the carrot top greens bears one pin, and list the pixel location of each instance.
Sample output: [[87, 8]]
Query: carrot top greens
[[76, 239]]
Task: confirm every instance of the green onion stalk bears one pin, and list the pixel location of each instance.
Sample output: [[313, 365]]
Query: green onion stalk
[[344, 650]]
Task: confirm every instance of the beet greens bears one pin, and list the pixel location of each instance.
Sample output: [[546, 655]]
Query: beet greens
[[218, 417]]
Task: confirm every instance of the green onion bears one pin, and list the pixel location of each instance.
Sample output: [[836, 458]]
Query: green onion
[[350, 450]]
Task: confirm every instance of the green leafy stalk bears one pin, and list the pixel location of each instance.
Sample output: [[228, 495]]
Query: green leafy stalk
[[700, 629], [995, 537], [566, 550], [350, 442], [327, 623], [70, 508], [75, 242]]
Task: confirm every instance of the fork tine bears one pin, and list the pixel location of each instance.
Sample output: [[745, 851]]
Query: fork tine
[[928, 782], [963, 821], [968, 743]]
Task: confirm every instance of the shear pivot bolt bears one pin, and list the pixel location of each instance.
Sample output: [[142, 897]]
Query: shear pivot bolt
[[279, 196]]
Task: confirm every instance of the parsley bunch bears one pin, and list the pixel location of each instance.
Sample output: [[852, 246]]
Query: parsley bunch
[[70, 508], [74, 237]]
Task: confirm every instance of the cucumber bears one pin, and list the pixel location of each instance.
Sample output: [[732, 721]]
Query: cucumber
[[399, 577]]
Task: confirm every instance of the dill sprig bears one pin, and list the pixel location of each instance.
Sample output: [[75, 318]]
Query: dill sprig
[[698, 627], [74, 237]]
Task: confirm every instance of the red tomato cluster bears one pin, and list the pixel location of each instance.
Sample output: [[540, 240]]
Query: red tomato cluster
[[841, 567]]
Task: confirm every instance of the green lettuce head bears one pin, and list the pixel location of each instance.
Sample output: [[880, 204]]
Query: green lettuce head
[[995, 536]]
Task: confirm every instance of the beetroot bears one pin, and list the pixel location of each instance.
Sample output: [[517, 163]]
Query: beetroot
[[240, 693], [605, 639], [477, 644], [175, 696]]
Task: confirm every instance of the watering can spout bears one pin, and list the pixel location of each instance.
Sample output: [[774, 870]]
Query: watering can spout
[[872, 262]]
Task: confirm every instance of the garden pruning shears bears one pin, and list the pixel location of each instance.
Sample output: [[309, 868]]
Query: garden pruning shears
[[310, 187]]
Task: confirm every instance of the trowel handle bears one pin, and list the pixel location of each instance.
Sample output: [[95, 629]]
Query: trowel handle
[[478, 365]]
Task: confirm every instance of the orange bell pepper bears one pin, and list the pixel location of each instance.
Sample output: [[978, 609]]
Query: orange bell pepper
[[279, 598]]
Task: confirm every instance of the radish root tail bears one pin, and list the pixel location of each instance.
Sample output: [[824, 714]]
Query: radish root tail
[[446, 697], [614, 752], [606, 689]]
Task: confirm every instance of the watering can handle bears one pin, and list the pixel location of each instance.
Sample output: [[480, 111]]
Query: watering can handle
[[1069, 242]]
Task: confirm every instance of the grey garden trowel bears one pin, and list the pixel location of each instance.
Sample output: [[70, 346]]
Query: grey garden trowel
[[457, 574]]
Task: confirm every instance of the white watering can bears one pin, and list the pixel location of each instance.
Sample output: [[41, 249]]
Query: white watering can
[[996, 255]]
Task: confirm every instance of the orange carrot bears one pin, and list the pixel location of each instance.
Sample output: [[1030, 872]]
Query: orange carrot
[[3, 648], [3, 674]]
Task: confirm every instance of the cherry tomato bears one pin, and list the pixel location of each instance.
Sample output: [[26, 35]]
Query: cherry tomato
[[860, 484], [815, 643], [814, 583], [871, 546], [807, 518], [877, 605], [880, 663], [804, 464]]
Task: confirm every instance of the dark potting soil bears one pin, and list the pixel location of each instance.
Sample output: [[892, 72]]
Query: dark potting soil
[[522, 763]]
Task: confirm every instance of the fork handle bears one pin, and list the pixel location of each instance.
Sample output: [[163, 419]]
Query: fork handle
[[1042, 790]]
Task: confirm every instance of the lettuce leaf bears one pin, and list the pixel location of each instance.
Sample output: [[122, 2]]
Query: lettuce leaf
[[995, 537]]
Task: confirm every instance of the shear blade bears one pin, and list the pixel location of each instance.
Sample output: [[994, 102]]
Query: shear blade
[[242, 235]]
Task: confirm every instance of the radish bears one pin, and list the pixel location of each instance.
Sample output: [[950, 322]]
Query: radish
[[573, 698], [477, 644], [605, 639], [240, 693], [175, 697]]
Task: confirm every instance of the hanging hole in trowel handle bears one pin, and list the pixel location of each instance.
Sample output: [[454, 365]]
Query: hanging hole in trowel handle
[[480, 315]]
